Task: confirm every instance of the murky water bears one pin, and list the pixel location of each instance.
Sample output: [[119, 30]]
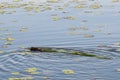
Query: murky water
[[92, 29]]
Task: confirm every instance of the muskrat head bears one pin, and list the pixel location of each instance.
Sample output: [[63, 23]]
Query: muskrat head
[[35, 49]]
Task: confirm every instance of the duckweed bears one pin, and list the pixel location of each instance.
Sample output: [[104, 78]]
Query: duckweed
[[68, 71], [118, 69], [55, 18], [32, 70], [96, 5], [22, 78], [1, 51], [15, 73], [115, 0], [10, 39], [52, 1]]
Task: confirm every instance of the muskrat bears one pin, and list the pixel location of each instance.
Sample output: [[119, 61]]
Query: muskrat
[[42, 49], [57, 50], [36, 49]]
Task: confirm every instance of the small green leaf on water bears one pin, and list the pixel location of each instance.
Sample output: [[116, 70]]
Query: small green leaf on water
[[2, 11], [32, 70], [55, 18], [15, 73], [96, 5], [68, 71], [118, 69], [22, 78], [1, 51], [115, 0], [10, 39], [118, 50]]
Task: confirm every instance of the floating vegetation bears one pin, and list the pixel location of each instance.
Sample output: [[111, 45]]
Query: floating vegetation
[[22, 78], [118, 69], [96, 5], [32, 8], [115, 0], [80, 6], [10, 39], [15, 73], [70, 18], [1, 51], [68, 71], [59, 8], [2, 11], [56, 18], [17, 0], [32, 70], [52, 1]]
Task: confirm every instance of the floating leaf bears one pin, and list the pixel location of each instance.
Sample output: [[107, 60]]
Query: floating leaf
[[1, 51], [14, 79], [55, 18], [96, 5], [80, 6], [15, 73], [52, 1], [118, 69], [68, 71], [2, 11], [10, 39], [115, 0], [118, 50], [32, 70], [17, 0], [23, 78]]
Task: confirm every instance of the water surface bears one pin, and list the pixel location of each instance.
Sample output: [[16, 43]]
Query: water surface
[[61, 25]]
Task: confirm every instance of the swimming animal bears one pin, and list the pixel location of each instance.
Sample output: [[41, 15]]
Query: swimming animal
[[63, 50]]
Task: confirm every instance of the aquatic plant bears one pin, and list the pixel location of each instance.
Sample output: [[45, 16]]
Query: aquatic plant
[[68, 71]]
